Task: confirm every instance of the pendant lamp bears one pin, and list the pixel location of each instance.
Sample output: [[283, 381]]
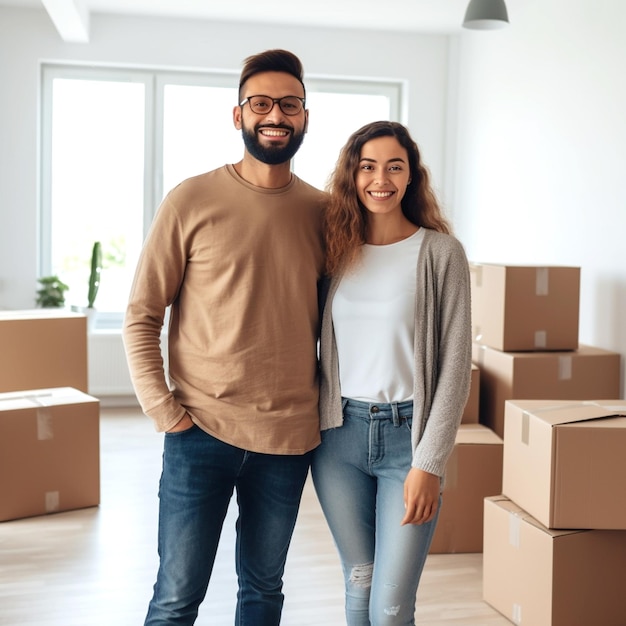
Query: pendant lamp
[[486, 15]]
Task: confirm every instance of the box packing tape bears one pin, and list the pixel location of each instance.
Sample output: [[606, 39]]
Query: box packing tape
[[44, 418], [541, 339], [515, 524], [52, 501], [525, 435], [525, 427], [541, 281], [44, 424], [565, 367]]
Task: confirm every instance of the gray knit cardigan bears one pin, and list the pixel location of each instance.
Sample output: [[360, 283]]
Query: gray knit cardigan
[[443, 352]]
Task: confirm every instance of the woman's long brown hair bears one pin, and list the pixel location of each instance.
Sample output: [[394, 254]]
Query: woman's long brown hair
[[345, 219]]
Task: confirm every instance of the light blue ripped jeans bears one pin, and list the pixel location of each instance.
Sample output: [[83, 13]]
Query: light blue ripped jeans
[[359, 471]]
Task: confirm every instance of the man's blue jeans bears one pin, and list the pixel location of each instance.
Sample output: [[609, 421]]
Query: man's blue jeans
[[197, 482], [359, 472]]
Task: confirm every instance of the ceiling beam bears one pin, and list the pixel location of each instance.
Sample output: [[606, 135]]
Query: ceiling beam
[[70, 18]]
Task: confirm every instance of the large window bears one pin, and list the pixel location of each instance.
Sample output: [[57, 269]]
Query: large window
[[115, 141]]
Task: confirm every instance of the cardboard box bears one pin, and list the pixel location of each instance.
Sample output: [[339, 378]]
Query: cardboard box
[[473, 472], [49, 452], [565, 462], [540, 577], [41, 349], [573, 375], [471, 412], [525, 308]]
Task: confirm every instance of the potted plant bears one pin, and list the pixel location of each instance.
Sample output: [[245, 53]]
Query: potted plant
[[94, 274], [93, 285], [51, 293]]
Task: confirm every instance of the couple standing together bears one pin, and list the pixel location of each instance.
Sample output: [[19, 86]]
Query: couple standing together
[[244, 255]]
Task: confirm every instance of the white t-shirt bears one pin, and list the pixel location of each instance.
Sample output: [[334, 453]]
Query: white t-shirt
[[374, 322]]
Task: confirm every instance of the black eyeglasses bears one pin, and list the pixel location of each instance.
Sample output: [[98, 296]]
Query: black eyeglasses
[[262, 105]]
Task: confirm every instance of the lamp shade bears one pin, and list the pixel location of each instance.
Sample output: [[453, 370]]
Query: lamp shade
[[486, 15]]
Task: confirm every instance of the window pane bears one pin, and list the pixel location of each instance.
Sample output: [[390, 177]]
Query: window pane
[[198, 132], [97, 185], [115, 141], [333, 117]]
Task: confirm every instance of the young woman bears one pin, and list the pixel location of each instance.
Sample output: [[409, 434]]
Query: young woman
[[395, 369]]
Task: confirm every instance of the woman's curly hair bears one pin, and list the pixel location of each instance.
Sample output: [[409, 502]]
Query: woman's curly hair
[[345, 218]]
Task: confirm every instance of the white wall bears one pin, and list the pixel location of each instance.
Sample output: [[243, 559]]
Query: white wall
[[531, 154], [540, 168], [27, 37]]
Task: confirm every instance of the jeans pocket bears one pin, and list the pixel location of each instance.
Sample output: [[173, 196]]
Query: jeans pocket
[[182, 433]]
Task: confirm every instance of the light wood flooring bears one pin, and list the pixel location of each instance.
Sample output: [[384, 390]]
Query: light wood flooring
[[96, 566]]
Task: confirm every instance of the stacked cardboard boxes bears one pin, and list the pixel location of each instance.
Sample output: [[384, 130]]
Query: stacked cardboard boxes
[[587, 372], [49, 426], [552, 536], [473, 472], [525, 329], [555, 540], [538, 576]]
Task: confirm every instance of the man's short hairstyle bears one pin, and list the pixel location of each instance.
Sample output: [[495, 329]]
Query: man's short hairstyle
[[271, 61]]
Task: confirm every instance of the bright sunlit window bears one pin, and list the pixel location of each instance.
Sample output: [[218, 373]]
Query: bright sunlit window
[[115, 141], [96, 175]]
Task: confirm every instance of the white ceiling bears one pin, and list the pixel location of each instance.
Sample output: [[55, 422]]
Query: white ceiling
[[432, 16]]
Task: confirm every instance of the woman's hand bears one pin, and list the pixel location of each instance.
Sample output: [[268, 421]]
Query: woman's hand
[[184, 424], [421, 497]]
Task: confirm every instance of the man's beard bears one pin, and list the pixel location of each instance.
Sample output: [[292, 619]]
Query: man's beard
[[272, 155]]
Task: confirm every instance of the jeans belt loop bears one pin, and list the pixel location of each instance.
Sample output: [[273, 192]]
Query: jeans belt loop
[[396, 416]]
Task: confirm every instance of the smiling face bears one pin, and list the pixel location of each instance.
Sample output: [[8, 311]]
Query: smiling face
[[382, 175], [273, 137]]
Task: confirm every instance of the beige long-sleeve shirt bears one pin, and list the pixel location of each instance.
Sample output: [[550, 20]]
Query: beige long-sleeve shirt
[[239, 266]]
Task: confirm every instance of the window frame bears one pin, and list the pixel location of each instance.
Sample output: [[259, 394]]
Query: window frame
[[155, 80]]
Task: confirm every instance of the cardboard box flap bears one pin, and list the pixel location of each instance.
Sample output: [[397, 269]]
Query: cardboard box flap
[[517, 515], [42, 397], [12, 404], [59, 395], [559, 413]]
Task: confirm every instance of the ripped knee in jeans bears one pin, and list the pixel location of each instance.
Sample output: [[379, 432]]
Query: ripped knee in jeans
[[361, 575]]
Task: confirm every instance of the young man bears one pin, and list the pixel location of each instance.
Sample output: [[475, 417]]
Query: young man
[[237, 254]]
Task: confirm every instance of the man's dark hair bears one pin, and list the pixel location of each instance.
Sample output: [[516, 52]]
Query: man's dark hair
[[271, 61]]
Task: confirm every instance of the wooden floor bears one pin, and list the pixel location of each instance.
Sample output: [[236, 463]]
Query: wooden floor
[[95, 567]]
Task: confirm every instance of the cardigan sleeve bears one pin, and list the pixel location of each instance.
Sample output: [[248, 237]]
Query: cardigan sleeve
[[443, 350], [331, 415]]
